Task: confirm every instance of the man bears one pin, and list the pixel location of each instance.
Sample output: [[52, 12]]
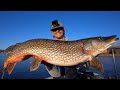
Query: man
[[60, 72]]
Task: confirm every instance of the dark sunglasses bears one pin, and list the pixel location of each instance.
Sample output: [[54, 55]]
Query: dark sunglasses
[[59, 28]]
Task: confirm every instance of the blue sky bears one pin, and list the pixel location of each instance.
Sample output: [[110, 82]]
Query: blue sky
[[19, 26]]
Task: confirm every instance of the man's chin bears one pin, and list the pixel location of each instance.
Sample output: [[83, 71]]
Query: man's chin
[[59, 37]]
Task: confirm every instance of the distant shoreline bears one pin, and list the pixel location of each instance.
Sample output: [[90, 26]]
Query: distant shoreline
[[109, 55]]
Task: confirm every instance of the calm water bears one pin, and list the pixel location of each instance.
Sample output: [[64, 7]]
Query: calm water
[[21, 70]]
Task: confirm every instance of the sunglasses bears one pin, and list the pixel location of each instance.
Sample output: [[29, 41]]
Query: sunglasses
[[59, 28]]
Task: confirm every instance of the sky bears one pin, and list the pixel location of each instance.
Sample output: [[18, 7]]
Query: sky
[[19, 26]]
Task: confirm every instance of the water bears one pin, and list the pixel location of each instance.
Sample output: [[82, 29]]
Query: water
[[22, 69]]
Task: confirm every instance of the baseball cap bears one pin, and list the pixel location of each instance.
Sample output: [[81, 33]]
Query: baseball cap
[[56, 25]]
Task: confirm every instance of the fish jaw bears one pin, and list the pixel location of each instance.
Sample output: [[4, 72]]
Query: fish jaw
[[111, 40], [99, 45]]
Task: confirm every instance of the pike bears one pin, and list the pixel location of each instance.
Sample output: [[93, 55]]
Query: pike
[[61, 53]]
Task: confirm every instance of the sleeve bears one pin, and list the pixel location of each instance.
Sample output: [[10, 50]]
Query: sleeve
[[53, 70]]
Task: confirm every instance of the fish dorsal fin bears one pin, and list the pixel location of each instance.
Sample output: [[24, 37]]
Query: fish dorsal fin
[[10, 67], [97, 64], [35, 64]]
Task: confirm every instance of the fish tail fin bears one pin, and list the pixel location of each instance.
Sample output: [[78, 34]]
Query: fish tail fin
[[3, 70], [11, 67]]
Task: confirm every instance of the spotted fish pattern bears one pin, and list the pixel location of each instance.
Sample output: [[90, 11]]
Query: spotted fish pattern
[[64, 53], [61, 53]]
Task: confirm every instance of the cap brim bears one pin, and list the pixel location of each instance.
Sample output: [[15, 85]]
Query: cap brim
[[58, 28]]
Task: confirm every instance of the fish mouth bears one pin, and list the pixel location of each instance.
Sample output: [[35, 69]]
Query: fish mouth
[[111, 40], [114, 37]]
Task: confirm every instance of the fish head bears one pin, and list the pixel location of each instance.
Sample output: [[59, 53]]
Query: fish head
[[98, 45]]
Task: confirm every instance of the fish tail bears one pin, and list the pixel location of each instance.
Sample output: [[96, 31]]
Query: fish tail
[[3, 69]]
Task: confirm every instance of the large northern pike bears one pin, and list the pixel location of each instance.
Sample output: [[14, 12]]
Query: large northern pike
[[61, 53]]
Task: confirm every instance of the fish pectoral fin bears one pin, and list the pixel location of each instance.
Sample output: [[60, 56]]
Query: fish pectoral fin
[[10, 67], [97, 64], [35, 64]]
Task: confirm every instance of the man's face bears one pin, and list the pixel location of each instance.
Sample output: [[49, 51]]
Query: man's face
[[58, 34]]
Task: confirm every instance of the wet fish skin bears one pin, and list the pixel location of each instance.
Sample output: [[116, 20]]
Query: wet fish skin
[[62, 53]]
